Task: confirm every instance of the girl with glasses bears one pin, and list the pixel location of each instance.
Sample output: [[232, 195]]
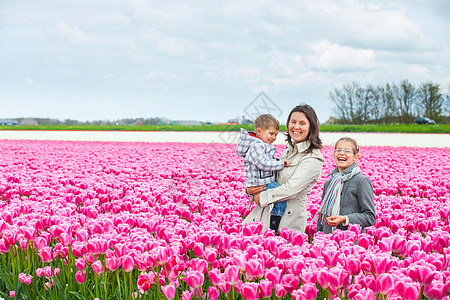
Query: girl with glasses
[[348, 196]]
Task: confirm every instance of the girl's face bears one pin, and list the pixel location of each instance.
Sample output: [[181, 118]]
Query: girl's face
[[344, 155], [298, 127]]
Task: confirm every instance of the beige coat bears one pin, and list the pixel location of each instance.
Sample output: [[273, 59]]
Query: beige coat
[[296, 182]]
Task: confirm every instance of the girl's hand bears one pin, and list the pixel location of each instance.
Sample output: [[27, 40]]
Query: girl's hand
[[287, 163], [254, 190], [334, 221]]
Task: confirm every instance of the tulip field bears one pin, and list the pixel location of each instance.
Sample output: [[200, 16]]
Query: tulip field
[[132, 220]]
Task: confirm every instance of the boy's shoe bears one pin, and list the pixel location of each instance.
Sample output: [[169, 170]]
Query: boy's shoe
[[275, 223]]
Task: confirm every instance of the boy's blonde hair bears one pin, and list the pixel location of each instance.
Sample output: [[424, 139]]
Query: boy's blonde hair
[[265, 121]]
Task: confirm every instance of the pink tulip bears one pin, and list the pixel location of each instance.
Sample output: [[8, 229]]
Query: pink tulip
[[214, 276], [12, 294], [80, 263], [127, 263], [213, 293], [48, 271], [436, 290], [364, 294], [194, 279], [411, 291], [249, 291], [25, 278], [231, 274], [309, 290], [169, 291], [290, 282], [112, 264], [46, 254], [254, 269], [197, 264], [210, 255], [323, 279], [145, 281], [39, 272], [97, 267], [265, 288], [225, 287], [338, 278], [80, 276], [280, 291], [380, 264], [274, 275], [186, 295], [385, 283], [330, 257]]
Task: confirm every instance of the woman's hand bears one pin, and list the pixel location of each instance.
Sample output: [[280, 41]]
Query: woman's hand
[[334, 221], [254, 190]]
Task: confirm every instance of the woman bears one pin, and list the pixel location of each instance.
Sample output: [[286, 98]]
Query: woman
[[299, 178]]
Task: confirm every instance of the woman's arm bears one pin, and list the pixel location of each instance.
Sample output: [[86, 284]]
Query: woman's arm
[[307, 171], [367, 216]]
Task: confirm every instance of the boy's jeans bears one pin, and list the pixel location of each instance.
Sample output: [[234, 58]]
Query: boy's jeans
[[279, 207]]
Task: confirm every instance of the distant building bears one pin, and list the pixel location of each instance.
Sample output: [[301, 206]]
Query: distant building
[[186, 122], [28, 121], [331, 121], [6, 122], [228, 123]]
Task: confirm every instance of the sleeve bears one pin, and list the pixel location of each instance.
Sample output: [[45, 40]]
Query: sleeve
[[367, 216], [260, 158], [307, 171]]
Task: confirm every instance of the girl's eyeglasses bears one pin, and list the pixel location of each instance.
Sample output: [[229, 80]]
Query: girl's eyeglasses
[[346, 151]]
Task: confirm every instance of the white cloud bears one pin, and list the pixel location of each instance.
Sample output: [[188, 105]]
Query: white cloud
[[333, 57], [73, 34], [29, 81]]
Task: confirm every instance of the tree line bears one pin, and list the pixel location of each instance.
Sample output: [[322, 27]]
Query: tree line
[[390, 103]]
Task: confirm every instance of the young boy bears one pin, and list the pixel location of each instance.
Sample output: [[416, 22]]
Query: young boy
[[259, 164]]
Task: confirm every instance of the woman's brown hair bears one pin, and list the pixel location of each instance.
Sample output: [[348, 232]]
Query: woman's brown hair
[[314, 127]]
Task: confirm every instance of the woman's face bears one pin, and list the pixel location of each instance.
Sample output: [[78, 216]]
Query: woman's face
[[298, 127]]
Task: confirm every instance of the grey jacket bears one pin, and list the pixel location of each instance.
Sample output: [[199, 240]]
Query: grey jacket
[[356, 201], [259, 164], [296, 181]]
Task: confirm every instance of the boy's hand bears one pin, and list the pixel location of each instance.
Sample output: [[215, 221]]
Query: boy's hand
[[253, 190], [287, 163], [256, 199]]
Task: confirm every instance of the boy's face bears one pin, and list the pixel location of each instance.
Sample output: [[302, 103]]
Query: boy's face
[[268, 135]]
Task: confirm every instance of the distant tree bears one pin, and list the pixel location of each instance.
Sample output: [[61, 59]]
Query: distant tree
[[406, 100], [344, 99], [375, 103], [430, 100]]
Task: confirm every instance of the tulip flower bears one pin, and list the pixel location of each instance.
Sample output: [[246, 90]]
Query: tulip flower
[[80, 276], [231, 275], [249, 291], [97, 267], [24, 278], [169, 291], [194, 279], [213, 293]]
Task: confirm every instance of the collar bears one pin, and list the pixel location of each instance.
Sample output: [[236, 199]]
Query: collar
[[300, 147], [346, 171]]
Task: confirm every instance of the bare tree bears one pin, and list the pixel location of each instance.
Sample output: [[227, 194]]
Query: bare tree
[[343, 108], [406, 99], [430, 100]]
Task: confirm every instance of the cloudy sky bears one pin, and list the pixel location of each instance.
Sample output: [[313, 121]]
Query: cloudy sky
[[209, 60]]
